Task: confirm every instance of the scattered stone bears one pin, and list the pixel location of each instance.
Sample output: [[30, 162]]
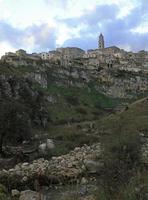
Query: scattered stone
[[84, 181], [30, 195], [15, 193], [64, 168], [24, 179]]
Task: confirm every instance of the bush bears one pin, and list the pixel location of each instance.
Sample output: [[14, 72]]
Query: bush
[[14, 123], [121, 156], [3, 193], [81, 110], [72, 100]]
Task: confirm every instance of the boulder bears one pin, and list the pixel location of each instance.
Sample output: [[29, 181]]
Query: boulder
[[30, 195], [42, 148], [84, 181], [50, 144], [15, 193], [92, 166]]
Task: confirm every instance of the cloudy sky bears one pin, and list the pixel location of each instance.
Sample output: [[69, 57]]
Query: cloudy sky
[[42, 25]]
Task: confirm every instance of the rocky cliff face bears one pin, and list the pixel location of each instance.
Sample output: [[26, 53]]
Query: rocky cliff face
[[39, 87], [22, 89], [123, 84], [115, 82]]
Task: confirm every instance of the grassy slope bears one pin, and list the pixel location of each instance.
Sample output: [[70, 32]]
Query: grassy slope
[[72, 104], [78, 104], [17, 71], [133, 118], [120, 138]]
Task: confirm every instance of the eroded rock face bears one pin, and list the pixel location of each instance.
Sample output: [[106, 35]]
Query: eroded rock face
[[124, 79], [21, 89]]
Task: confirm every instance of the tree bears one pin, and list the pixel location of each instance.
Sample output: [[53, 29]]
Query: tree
[[15, 125]]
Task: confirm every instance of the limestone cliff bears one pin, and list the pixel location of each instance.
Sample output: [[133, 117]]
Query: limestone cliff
[[71, 91]]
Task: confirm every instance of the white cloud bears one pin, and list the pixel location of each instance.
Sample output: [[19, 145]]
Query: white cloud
[[142, 28], [126, 47], [26, 15], [65, 32], [125, 8], [28, 43], [5, 13], [5, 47]]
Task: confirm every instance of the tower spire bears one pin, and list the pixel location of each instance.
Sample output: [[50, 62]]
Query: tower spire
[[101, 41]]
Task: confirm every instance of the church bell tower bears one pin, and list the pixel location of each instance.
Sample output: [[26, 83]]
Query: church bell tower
[[101, 41]]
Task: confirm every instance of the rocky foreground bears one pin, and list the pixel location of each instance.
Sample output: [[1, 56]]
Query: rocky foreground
[[68, 168]]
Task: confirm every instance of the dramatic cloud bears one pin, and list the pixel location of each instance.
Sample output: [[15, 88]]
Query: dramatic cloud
[[36, 37], [42, 25]]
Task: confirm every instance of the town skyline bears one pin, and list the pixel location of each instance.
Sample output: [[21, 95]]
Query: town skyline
[[71, 23]]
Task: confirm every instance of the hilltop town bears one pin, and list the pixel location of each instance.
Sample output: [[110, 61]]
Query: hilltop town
[[118, 73], [107, 57]]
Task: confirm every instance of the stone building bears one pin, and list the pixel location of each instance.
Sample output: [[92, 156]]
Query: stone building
[[64, 55], [111, 50], [93, 53], [71, 52], [51, 55], [9, 57], [21, 52], [44, 55], [20, 57]]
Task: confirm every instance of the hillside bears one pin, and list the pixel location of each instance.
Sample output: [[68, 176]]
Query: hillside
[[124, 138], [50, 101], [131, 120], [64, 101], [75, 106]]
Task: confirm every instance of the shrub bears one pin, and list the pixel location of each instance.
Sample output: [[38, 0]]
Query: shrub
[[14, 123], [121, 156], [3, 193], [72, 100], [81, 110]]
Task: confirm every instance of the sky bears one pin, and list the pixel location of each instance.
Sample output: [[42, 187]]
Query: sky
[[43, 25]]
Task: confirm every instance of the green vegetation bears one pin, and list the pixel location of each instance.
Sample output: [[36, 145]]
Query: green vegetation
[[134, 118], [3, 193], [48, 108], [8, 69], [135, 189], [14, 123], [70, 136], [78, 104], [63, 112], [120, 138]]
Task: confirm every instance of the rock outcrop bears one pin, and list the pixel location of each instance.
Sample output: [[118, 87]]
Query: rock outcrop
[[118, 81]]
